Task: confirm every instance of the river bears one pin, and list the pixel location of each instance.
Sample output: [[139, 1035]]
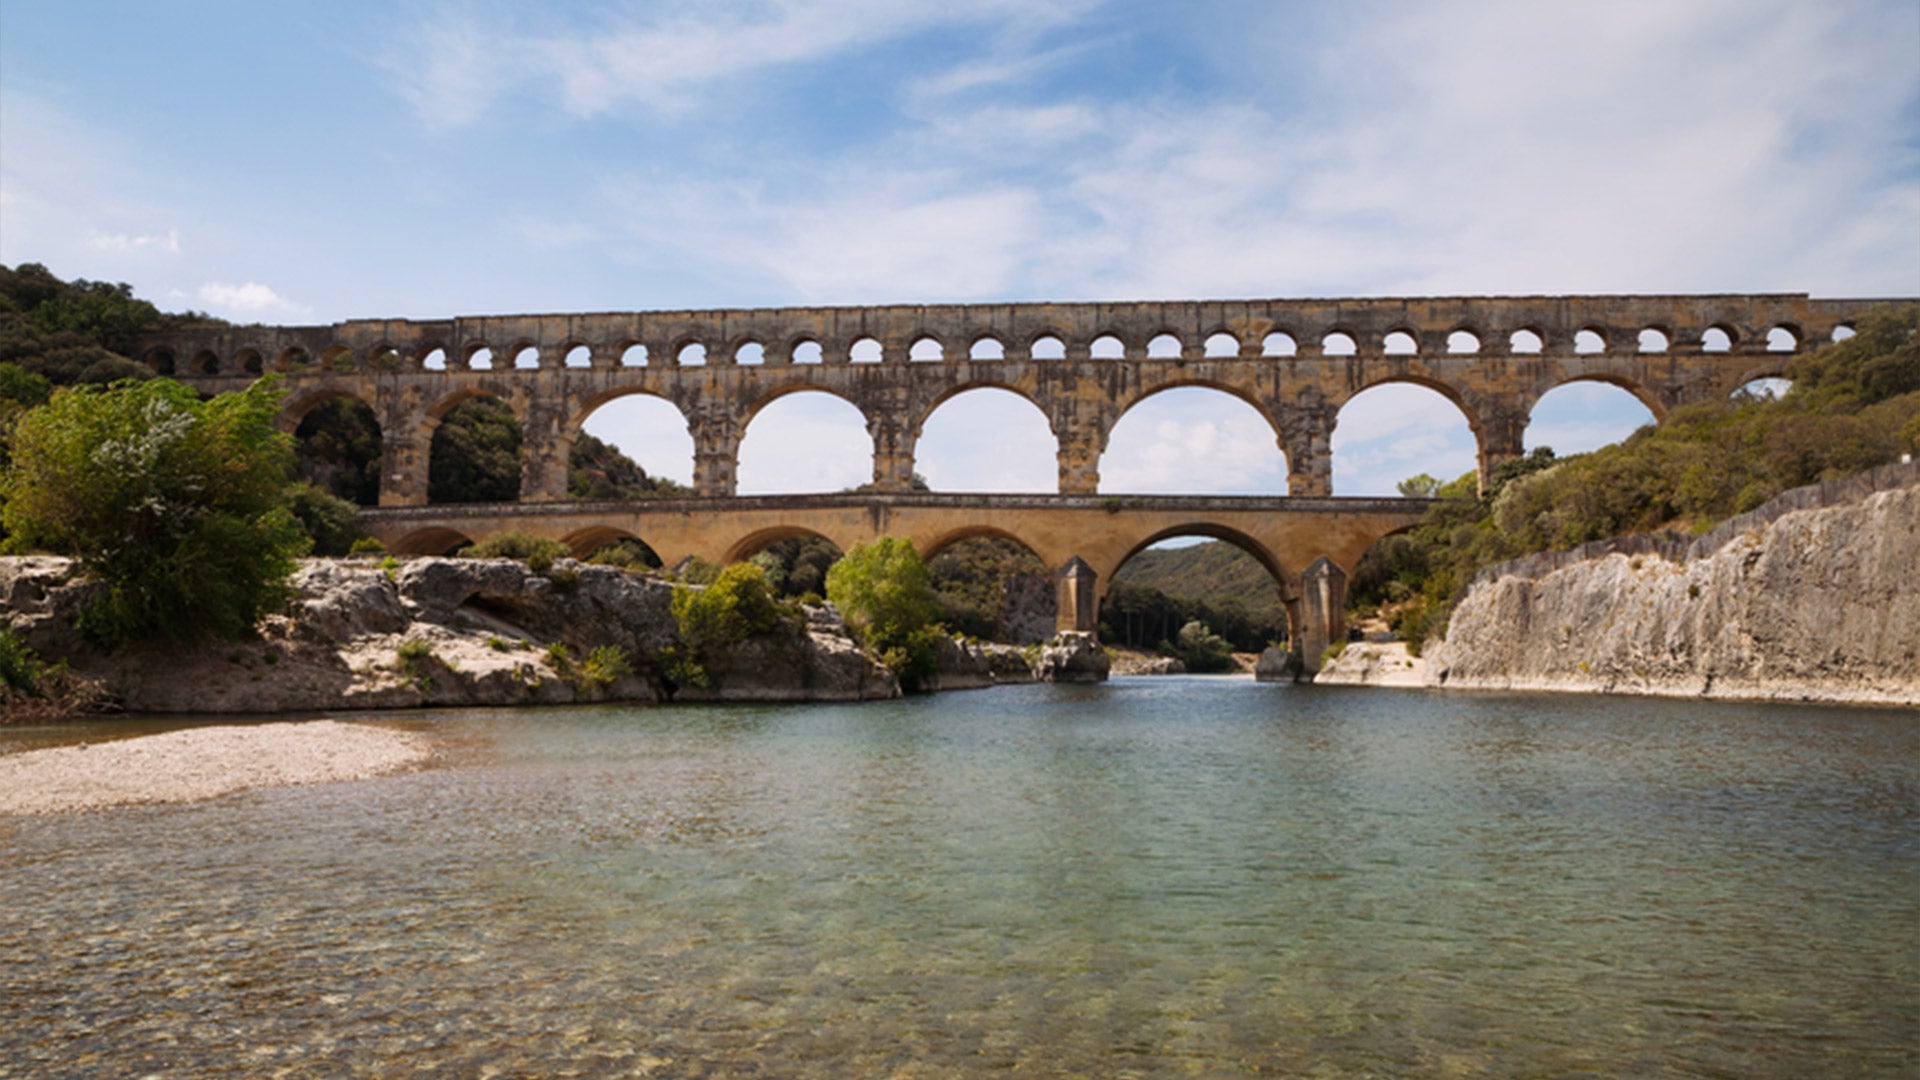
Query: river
[[1154, 877]]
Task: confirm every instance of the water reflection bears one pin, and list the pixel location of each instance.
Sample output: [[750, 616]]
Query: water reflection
[[1158, 878]]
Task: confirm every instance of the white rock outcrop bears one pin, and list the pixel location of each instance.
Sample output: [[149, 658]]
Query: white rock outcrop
[[1819, 605]]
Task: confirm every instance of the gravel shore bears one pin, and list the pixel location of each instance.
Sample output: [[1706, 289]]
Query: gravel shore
[[200, 763]]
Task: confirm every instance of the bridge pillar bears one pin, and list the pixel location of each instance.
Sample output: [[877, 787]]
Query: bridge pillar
[[893, 447], [1502, 435], [404, 453], [1079, 608], [1306, 437], [716, 453], [1079, 458], [544, 454], [1323, 612]]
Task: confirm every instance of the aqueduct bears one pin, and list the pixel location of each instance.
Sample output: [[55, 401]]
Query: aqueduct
[[1083, 365]]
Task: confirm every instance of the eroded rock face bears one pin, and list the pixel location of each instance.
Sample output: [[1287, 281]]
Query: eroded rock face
[[483, 632], [971, 665], [1073, 657], [1821, 605]]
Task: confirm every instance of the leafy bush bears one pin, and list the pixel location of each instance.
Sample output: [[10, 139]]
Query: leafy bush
[[604, 665], [366, 545], [886, 595], [177, 506], [737, 606], [20, 667], [1200, 649], [626, 554], [332, 524]]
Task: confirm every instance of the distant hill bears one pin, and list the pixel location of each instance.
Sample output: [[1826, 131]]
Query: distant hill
[[1215, 573], [1214, 582]]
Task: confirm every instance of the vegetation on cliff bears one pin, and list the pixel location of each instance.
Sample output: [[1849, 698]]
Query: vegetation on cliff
[[1851, 406]]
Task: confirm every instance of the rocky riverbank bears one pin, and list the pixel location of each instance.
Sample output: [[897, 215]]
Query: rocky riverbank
[[1816, 605], [449, 632]]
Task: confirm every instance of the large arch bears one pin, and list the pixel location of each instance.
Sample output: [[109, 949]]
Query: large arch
[[993, 585], [1584, 415], [761, 539], [1193, 438], [1396, 429], [838, 450], [987, 437], [337, 444], [474, 452], [1250, 626], [647, 427]]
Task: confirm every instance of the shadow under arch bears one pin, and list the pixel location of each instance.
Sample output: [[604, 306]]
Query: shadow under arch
[[993, 585], [585, 543], [761, 539], [295, 409], [338, 443], [475, 449], [436, 540]]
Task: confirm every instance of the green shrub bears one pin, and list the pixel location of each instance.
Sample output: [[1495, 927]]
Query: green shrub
[[366, 545], [414, 659], [698, 571], [20, 667], [1201, 650], [176, 506], [332, 524], [604, 665], [737, 606], [886, 595]]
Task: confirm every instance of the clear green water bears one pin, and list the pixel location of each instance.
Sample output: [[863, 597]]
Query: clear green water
[[1153, 878]]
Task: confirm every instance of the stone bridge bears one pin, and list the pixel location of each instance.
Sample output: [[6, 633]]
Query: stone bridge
[[1306, 543], [1296, 362]]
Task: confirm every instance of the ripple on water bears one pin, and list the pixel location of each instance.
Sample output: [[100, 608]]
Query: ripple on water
[[1183, 877]]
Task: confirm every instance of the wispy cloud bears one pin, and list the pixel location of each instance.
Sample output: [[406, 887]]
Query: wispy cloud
[[124, 244], [249, 301]]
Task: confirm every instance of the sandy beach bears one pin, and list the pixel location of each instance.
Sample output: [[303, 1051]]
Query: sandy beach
[[200, 763]]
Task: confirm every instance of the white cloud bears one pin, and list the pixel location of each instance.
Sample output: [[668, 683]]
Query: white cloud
[[1192, 441], [250, 301], [452, 65], [124, 244]]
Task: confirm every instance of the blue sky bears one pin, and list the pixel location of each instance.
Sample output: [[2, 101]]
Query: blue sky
[[309, 162]]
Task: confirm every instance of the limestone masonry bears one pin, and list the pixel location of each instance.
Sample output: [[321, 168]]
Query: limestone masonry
[[1296, 362]]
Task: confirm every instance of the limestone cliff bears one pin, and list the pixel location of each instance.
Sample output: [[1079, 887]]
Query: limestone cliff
[[438, 632], [1819, 605]]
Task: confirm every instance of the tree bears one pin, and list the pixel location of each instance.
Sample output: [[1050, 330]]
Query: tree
[[338, 448], [475, 454], [175, 505], [1419, 487], [886, 595]]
